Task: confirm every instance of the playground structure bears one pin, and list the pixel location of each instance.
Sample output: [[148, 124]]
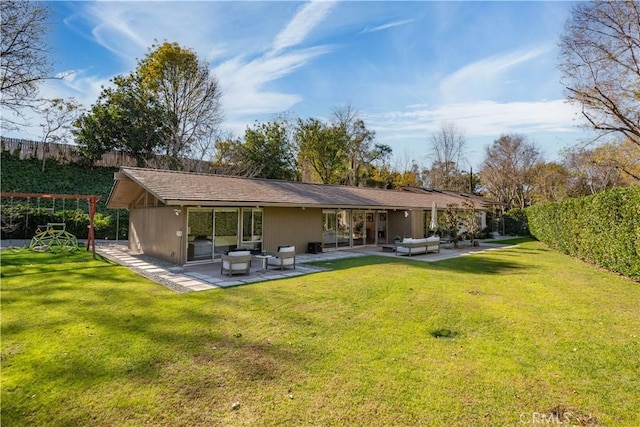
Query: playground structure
[[55, 234]]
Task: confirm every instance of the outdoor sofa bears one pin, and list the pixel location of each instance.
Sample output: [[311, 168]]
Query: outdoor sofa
[[410, 246]]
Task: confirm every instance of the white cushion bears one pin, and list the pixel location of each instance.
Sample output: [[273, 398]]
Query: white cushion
[[239, 253], [235, 266], [288, 249], [280, 261]]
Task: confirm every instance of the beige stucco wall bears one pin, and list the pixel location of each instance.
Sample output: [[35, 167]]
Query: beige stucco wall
[[291, 226], [399, 225], [417, 223], [153, 231]]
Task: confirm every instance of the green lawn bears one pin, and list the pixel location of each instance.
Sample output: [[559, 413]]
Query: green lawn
[[527, 336]]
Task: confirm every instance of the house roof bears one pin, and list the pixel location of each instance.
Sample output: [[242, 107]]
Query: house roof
[[194, 189], [479, 201]]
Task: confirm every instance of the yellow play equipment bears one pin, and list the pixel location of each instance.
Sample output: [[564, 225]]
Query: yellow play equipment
[[53, 236]]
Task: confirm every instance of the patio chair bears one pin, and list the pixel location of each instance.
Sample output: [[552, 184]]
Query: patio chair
[[284, 258], [236, 262]]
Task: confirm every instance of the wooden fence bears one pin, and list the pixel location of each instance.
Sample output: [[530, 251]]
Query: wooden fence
[[67, 153]]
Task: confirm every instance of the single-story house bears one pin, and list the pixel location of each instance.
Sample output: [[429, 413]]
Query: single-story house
[[190, 217]]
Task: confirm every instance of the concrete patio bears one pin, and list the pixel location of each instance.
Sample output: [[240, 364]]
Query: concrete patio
[[201, 277]]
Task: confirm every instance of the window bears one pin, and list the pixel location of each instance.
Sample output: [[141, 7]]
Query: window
[[252, 228]]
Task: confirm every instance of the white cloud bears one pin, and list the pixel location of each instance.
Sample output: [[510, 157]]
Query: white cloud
[[387, 26], [305, 20], [486, 118], [242, 81], [482, 121], [252, 46], [487, 77], [79, 84]]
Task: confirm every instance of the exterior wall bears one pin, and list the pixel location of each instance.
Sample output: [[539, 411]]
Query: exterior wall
[[153, 231], [399, 225], [291, 226], [417, 223]]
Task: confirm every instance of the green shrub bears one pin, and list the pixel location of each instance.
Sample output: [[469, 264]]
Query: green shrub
[[603, 229], [514, 223]]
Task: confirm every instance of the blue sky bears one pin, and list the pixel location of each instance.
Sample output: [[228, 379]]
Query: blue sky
[[490, 67]]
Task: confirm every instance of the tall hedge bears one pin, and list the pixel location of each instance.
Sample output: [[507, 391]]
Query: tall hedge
[[603, 229], [26, 176]]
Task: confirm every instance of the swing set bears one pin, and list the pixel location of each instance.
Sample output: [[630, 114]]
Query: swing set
[[55, 234]]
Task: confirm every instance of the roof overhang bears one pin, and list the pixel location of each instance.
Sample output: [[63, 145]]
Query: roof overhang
[[123, 192]]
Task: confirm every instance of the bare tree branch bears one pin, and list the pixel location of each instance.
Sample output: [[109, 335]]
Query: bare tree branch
[[24, 61], [599, 53]]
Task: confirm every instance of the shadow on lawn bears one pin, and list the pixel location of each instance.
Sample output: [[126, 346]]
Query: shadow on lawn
[[105, 328], [476, 263]]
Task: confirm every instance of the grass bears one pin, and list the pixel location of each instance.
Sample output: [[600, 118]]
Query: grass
[[506, 337]]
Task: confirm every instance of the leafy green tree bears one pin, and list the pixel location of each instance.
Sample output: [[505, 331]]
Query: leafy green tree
[[184, 86], [168, 105], [126, 117], [229, 158], [469, 220], [268, 148], [323, 148], [451, 222]]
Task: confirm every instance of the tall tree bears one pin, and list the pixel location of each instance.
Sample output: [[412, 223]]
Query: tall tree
[[126, 117], [507, 170], [447, 148], [550, 182], [323, 148], [185, 87], [170, 104], [361, 151], [24, 55], [592, 170], [229, 158], [268, 148], [600, 54]]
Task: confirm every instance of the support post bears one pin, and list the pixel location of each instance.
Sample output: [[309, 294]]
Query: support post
[[91, 239]]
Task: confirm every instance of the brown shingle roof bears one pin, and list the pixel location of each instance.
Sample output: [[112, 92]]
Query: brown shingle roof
[[182, 188]]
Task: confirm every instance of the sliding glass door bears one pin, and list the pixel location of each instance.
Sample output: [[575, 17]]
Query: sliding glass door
[[344, 228], [225, 230], [200, 235], [329, 229], [359, 230], [212, 232]]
